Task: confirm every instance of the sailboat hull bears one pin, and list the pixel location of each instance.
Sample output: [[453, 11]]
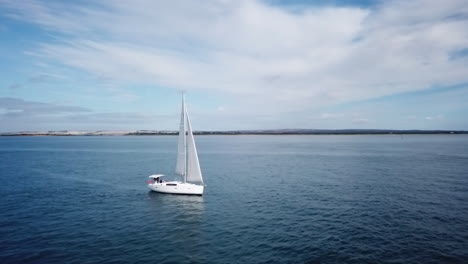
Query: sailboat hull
[[177, 188]]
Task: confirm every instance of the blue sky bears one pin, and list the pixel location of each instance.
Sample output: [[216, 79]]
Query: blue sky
[[120, 65]]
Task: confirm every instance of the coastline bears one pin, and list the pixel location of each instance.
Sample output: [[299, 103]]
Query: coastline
[[236, 132]]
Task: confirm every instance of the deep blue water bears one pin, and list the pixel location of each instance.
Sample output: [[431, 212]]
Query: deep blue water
[[268, 199]]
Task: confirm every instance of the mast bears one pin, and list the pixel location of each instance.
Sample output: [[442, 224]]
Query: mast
[[185, 138], [181, 164]]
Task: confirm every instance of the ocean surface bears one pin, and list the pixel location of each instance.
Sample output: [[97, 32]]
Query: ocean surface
[[268, 199]]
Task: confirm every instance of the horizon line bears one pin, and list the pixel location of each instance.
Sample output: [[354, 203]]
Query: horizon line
[[284, 131]]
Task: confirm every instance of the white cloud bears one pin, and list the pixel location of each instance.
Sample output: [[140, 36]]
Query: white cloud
[[270, 58], [360, 120], [327, 116], [15, 107], [436, 117], [5, 111], [20, 115]]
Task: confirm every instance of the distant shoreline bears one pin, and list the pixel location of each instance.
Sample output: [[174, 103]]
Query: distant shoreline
[[238, 132]]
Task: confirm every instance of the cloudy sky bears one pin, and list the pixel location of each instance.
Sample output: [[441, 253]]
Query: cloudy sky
[[330, 64]]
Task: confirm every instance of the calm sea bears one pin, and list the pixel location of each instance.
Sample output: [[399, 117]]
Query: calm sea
[[268, 199]]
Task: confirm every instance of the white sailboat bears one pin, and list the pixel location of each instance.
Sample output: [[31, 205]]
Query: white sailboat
[[187, 167]]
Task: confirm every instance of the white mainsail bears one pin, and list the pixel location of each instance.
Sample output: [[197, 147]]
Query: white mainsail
[[193, 166], [181, 157]]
